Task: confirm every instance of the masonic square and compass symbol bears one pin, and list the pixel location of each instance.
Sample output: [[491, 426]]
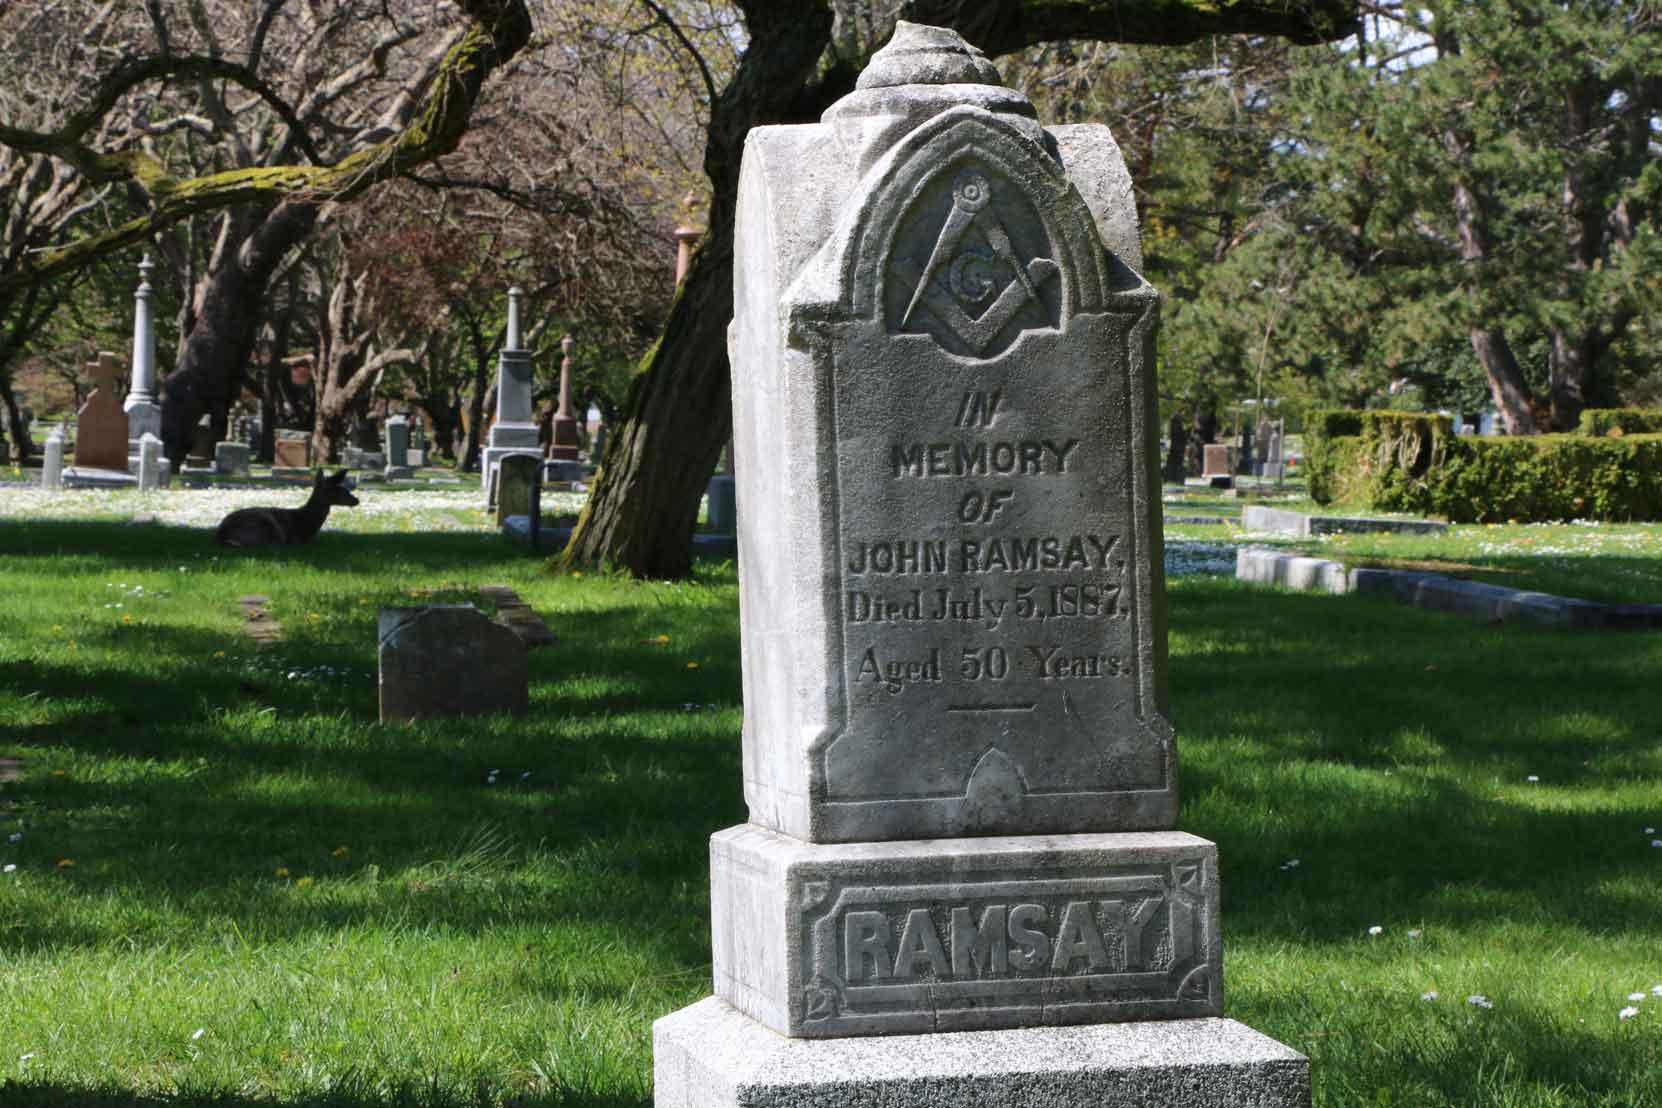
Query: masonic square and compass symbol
[[973, 285]]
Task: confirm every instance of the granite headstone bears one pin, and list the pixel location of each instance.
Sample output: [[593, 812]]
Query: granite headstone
[[958, 760], [448, 660]]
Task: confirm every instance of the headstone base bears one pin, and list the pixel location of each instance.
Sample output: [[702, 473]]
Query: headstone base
[[394, 473], [88, 477], [291, 473], [164, 464], [823, 940], [710, 1055], [561, 469]]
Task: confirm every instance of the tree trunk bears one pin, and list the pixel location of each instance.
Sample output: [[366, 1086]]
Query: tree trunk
[[18, 433], [640, 515], [641, 512], [214, 357], [473, 445], [1507, 387], [1506, 384]]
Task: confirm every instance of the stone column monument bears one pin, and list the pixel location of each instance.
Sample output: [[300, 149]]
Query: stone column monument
[[563, 448], [958, 760], [144, 415], [515, 429]]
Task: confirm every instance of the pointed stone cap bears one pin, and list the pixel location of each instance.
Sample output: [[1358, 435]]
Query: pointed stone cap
[[923, 55]]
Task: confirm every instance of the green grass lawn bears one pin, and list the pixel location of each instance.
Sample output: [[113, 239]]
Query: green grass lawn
[[235, 887]]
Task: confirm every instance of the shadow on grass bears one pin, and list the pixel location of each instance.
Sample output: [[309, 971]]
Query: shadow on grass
[[213, 774], [1386, 747], [1396, 746]]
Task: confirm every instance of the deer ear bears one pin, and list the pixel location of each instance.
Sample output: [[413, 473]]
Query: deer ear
[[339, 477]]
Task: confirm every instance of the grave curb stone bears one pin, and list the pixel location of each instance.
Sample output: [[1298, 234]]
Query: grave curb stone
[[1440, 592], [710, 1055]]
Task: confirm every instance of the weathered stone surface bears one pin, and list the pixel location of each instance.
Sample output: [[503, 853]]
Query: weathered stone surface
[[518, 477], [291, 450], [1304, 525], [723, 503], [397, 437], [710, 1056], [944, 413], [150, 461], [957, 757], [100, 423], [448, 660], [1275, 567], [835, 939], [1217, 460], [51, 469], [231, 459]]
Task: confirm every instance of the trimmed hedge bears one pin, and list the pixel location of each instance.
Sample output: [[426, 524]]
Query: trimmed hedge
[[1538, 478], [1471, 479], [1333, 423], [1383, 459], [1600, 422], [1329, 451]]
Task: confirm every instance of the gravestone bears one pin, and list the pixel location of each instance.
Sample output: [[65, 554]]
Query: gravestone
[[515, 429], [397, 438], [518, 476], [231, 458], [448, 660], [958, 760], [143, 413], [101, 424], [291, 450], [149, 462], [723, 512], [201, 453], [1274, 466], [1218, 466], [563, 446], [51, 469]]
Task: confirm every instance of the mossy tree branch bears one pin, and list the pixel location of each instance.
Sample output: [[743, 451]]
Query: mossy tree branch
[[497, 30]]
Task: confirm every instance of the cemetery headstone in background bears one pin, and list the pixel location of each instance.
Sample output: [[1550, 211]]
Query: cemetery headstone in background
[[398, 447], [958, 764], [563, 448], [517, 478], [143, 413], [202, 442], [515, 429], [448, 660], [1218, 461], [100, 424], [291, 450], [231, 458], [51, 468], [150, 461]]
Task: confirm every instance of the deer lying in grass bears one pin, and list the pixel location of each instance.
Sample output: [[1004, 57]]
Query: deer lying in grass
[[280, 526]]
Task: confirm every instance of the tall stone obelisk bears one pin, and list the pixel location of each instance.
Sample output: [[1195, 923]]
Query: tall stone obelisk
[[144, 414], [958, 761]]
